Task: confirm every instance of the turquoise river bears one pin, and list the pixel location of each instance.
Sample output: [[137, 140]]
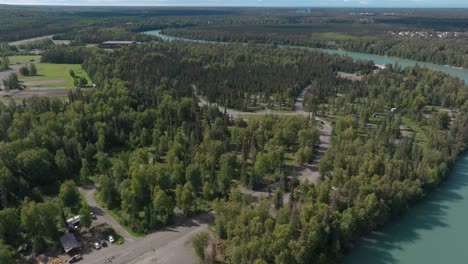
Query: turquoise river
[[433, 232], [377, 59]]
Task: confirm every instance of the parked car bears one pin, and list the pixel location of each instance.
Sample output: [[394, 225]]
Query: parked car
[[111, 239], [103, 243], [97, 245], [74, 259], [23, 247]]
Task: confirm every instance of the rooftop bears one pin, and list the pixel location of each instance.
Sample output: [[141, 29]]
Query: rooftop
[[121, 42], [69, 242]]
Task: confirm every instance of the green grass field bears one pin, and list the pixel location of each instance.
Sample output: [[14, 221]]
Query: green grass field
[[22, 59], [334, 36], [54, 76], [421, 136]]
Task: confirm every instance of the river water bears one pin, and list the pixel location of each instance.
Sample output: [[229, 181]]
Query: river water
[[377, 59], [433, 232]]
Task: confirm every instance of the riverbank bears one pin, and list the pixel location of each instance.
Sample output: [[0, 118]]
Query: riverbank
[[432, 224], [461, 73], [432, 232]]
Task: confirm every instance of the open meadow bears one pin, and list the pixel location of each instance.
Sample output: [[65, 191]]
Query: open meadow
[[23, 59], [54, 76]]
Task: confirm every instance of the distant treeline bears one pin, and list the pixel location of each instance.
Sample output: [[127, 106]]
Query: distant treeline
[[20, 22], [452, 50], [242, 77], [96, 35]]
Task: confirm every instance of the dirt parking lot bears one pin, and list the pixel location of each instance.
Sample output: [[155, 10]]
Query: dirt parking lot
[[87, 238]]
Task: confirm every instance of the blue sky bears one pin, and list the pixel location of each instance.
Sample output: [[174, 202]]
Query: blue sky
[[321, 3]]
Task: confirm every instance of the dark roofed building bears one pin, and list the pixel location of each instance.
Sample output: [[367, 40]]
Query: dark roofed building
[[69, 243], [116, 44]]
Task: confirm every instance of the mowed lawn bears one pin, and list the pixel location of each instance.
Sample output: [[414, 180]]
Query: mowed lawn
[[22, 59], [54, 76]]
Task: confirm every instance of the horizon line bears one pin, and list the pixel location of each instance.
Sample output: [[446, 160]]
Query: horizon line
[[362, 6]]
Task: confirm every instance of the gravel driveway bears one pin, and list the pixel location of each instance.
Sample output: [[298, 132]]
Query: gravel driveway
[[102, 216], [169, 245]]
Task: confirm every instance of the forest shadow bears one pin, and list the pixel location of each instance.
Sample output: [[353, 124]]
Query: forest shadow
[[184, 221], [97, 211], [429, 214]]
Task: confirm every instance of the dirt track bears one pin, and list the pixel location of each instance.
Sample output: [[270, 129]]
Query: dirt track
[[307, 173], [26, 41], [173, 244], [6, 73]]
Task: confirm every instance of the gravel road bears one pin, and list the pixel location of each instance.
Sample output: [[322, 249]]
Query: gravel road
[[6, 73], [26, 41], [307, 173], [102, 216], [173, 244], [169, 245]]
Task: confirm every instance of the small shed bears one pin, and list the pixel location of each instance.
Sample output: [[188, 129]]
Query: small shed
[[116, 44], [69, 243]]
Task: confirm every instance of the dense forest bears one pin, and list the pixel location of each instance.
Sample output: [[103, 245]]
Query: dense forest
[[34, 21], [243, 77], [154, 151], [446, 51], [369, 177], [149, 146], [361, 30]]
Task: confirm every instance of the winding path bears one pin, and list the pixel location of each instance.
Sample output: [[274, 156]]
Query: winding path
[[173, 244], [307, 173]]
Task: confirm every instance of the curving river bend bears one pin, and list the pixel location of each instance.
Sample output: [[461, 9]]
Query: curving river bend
[[434, 231], [461, 73]]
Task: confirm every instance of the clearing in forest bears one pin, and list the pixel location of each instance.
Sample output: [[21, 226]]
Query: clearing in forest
[[54, 76], [23, 59]]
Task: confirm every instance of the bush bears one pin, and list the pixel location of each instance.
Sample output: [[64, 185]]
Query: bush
[[24, 71], [199, 242], [6, 256]]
